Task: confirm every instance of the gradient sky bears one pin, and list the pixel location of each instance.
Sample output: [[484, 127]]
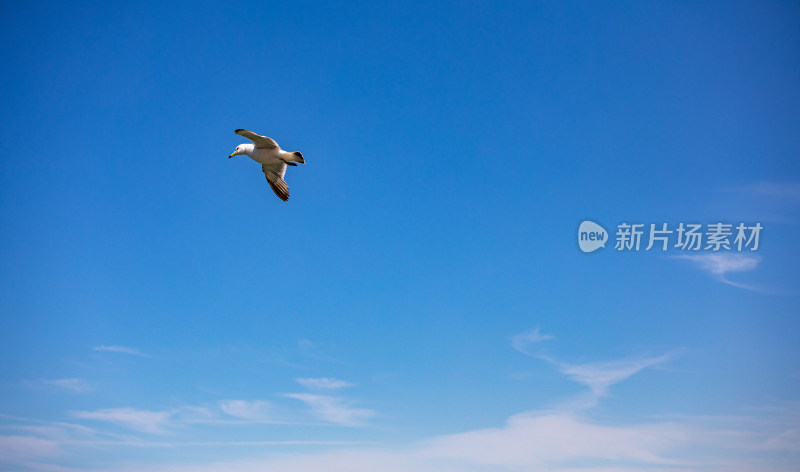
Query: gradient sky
[[420, 303]]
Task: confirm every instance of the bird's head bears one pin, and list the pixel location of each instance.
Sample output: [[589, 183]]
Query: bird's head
[[240, 149]]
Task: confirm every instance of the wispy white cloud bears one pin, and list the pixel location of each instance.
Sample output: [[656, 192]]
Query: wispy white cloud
[[153, 422], [226, 412], [720, 265], [14, 448], [545, 439], [35, 445], [256, 410], [788, 440], [782, 190], [323, 383], [523, 341], [194, 414], [775, 202], [72, 385], [121, 350], [332, 409], [598, 376]]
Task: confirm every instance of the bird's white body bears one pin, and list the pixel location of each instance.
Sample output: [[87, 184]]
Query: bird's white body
[[266, 156]]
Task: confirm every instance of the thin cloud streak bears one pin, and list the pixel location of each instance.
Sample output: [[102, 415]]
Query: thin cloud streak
[[14, 448], [145, 421], [523, 341], [720, 265], [598, 376], [783, 190], [255, 411], [121, 350], [71, 385], [336, 410], [323, 383]]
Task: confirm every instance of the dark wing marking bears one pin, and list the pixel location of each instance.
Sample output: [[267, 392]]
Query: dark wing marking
[[274, 174]]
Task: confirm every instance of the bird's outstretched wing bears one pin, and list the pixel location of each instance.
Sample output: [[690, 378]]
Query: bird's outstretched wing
[[274, 174], [262, 142]]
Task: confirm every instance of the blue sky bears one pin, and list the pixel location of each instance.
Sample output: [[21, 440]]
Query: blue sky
[[420, 303]]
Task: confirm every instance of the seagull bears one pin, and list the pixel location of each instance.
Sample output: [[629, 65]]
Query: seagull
[[272, 158]]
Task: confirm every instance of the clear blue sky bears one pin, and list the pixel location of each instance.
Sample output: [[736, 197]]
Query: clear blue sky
[[420, 303]]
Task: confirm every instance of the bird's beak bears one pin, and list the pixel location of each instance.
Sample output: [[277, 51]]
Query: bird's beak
[[232, 154]]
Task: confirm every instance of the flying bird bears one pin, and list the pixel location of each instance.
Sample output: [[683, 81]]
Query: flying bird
[[272, 158]]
